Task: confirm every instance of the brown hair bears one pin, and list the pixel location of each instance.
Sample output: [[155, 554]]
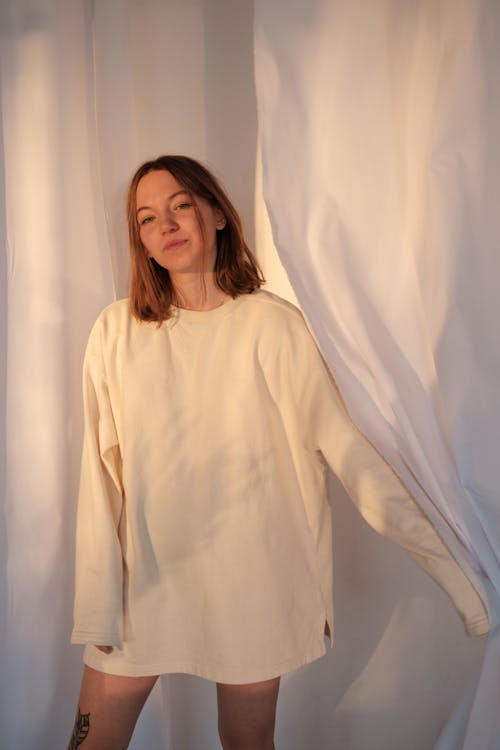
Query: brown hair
[[236, 270]]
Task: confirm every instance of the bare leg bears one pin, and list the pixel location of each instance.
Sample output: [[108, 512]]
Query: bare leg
[[247, 715], [108, 708]]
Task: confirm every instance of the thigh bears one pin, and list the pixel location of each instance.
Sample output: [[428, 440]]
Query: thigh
[[247, 714], [108, 708]]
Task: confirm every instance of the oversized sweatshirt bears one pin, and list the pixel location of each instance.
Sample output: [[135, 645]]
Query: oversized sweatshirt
[[204, 530]]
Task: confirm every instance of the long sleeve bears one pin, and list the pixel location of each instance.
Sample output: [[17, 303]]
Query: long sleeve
[[370, 482], [99, 566]]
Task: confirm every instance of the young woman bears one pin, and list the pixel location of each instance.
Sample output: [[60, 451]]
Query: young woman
[[204, 535]]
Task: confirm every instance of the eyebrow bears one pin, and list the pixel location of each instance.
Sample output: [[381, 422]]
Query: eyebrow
[[170, 197]]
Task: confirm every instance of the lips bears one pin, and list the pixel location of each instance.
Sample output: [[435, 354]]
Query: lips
[[174, 244]]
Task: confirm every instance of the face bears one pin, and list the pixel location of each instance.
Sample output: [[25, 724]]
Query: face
[[169, 227]]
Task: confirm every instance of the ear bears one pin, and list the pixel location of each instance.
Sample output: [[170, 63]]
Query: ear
[[220, 219]]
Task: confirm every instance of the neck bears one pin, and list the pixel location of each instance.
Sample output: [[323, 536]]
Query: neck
[[198, 291]]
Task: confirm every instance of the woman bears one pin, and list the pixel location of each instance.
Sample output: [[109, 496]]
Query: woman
[[204, 536]]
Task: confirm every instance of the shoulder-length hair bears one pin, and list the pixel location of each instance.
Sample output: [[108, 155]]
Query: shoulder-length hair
[[152, 293]]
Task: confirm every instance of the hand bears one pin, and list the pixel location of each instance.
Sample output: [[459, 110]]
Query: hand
[[105, 649]]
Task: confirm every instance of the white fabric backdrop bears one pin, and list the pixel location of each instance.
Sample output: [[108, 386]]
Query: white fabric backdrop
[[379, 125], [89, 89]]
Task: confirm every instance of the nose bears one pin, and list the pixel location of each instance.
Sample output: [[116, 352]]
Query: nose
[[168, 222]]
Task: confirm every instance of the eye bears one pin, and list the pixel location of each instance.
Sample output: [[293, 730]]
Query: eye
[[146, 220], [183, 205]]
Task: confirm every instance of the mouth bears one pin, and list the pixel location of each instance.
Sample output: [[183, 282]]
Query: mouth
[[174, 244]]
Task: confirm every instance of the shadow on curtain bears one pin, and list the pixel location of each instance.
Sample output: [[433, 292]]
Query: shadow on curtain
[[378, 129]]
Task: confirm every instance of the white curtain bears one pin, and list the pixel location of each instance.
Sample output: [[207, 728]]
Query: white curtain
[[90, 89], [379, 125]]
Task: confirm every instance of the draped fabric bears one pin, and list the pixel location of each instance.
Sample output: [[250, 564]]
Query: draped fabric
[[90, 89], [381, 164]]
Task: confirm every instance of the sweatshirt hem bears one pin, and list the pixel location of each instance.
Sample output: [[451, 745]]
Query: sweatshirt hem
[[89, 638], [214, 672]]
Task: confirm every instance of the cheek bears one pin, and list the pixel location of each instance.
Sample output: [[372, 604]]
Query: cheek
[[144, 237]]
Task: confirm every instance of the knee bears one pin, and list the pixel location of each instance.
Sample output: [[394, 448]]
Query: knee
[[244, 738]]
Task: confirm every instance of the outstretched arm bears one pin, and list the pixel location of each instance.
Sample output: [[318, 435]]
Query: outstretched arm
[[371, 483]]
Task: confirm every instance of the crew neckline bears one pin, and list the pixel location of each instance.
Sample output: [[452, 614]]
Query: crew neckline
[[203, 316]]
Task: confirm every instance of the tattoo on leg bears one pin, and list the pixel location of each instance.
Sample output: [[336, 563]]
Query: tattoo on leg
[[81, 730]]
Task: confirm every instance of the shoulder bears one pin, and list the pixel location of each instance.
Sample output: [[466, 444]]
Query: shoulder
[[115, 315], [271, 309], [110, 323], [278, 326]]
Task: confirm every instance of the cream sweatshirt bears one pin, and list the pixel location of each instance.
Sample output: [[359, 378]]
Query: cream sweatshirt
[[204, 531]]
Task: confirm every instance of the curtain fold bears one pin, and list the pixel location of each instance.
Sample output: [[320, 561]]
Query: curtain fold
[[57, 276], [381, 165]]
